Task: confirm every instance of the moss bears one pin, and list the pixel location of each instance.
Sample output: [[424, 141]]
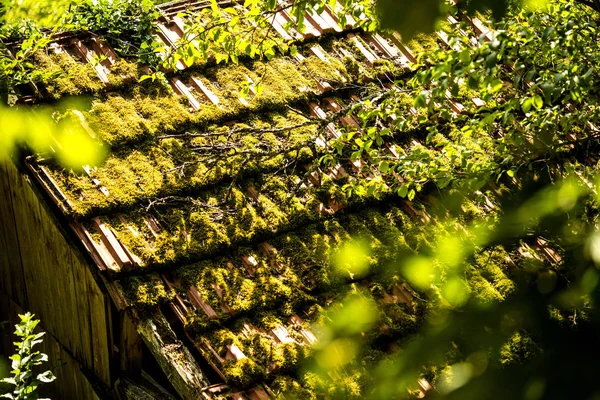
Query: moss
[[288, 355], [150, 170], [145, 292], [286, 387], [162, 109], [492, 266], [483, 290], [115, 119], [60, 75], [333, 71], [423, 44], [283, 81], [388, 68], [396, 320], [519, 349], [123, 71], [243, 373]]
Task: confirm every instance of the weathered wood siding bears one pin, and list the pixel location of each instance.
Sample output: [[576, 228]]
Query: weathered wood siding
[[42, 273]]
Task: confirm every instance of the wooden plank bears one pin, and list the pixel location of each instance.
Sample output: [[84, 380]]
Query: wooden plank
[[25, 220], [46, 271], [6, 222], [64, 371], [164, 39], [5, 273], [177, 304], [102, 259], [367, 53], [312, 25], [88, 54], [327, 19], [113, 245], [105, 49], [130, 347], [18, 288], [98, 329], [481, 28], [197, 300], [79, 271], [67, 290], [405, 50], [277, 22], [54, 190], [49, 273], [322, 25], [172, 32], [383, 45], [197, 81], [183, 90]]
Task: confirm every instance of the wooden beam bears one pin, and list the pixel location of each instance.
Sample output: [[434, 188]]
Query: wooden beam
[[172, 355]]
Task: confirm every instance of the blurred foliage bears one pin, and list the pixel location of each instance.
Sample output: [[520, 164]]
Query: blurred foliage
[[48, 132], [534, 344], [44, 13]]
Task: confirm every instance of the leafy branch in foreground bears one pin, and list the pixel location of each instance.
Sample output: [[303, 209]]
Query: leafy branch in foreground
[[24, 380], [16, 65]]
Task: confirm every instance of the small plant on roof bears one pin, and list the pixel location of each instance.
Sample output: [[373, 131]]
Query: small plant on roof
[[24, 380]]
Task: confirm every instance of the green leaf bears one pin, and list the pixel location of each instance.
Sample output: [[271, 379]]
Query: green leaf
[[259, 88], [421, 100], [547, 32], [403, 191], [46, 377], [496, 85], [221, 57], [269, 52], [548, 89], [526, 104], [538, 102], [473, 81], [465, 56], [491, 60], [384, 167]]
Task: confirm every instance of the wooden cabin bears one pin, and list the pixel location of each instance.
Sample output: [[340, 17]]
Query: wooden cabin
[[167, 271]]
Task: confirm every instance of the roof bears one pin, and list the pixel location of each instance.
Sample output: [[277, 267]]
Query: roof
[[210, 220]]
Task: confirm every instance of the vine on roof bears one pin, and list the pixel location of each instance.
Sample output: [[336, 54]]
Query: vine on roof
[[481, 112], [126, 24]]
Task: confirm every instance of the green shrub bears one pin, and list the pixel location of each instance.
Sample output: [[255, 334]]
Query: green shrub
[[25, 382]]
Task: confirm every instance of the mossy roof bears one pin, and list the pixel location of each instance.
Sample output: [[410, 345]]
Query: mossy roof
[[211, 204]]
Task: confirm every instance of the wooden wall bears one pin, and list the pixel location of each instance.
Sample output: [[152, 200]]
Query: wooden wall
[[40, 272]]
